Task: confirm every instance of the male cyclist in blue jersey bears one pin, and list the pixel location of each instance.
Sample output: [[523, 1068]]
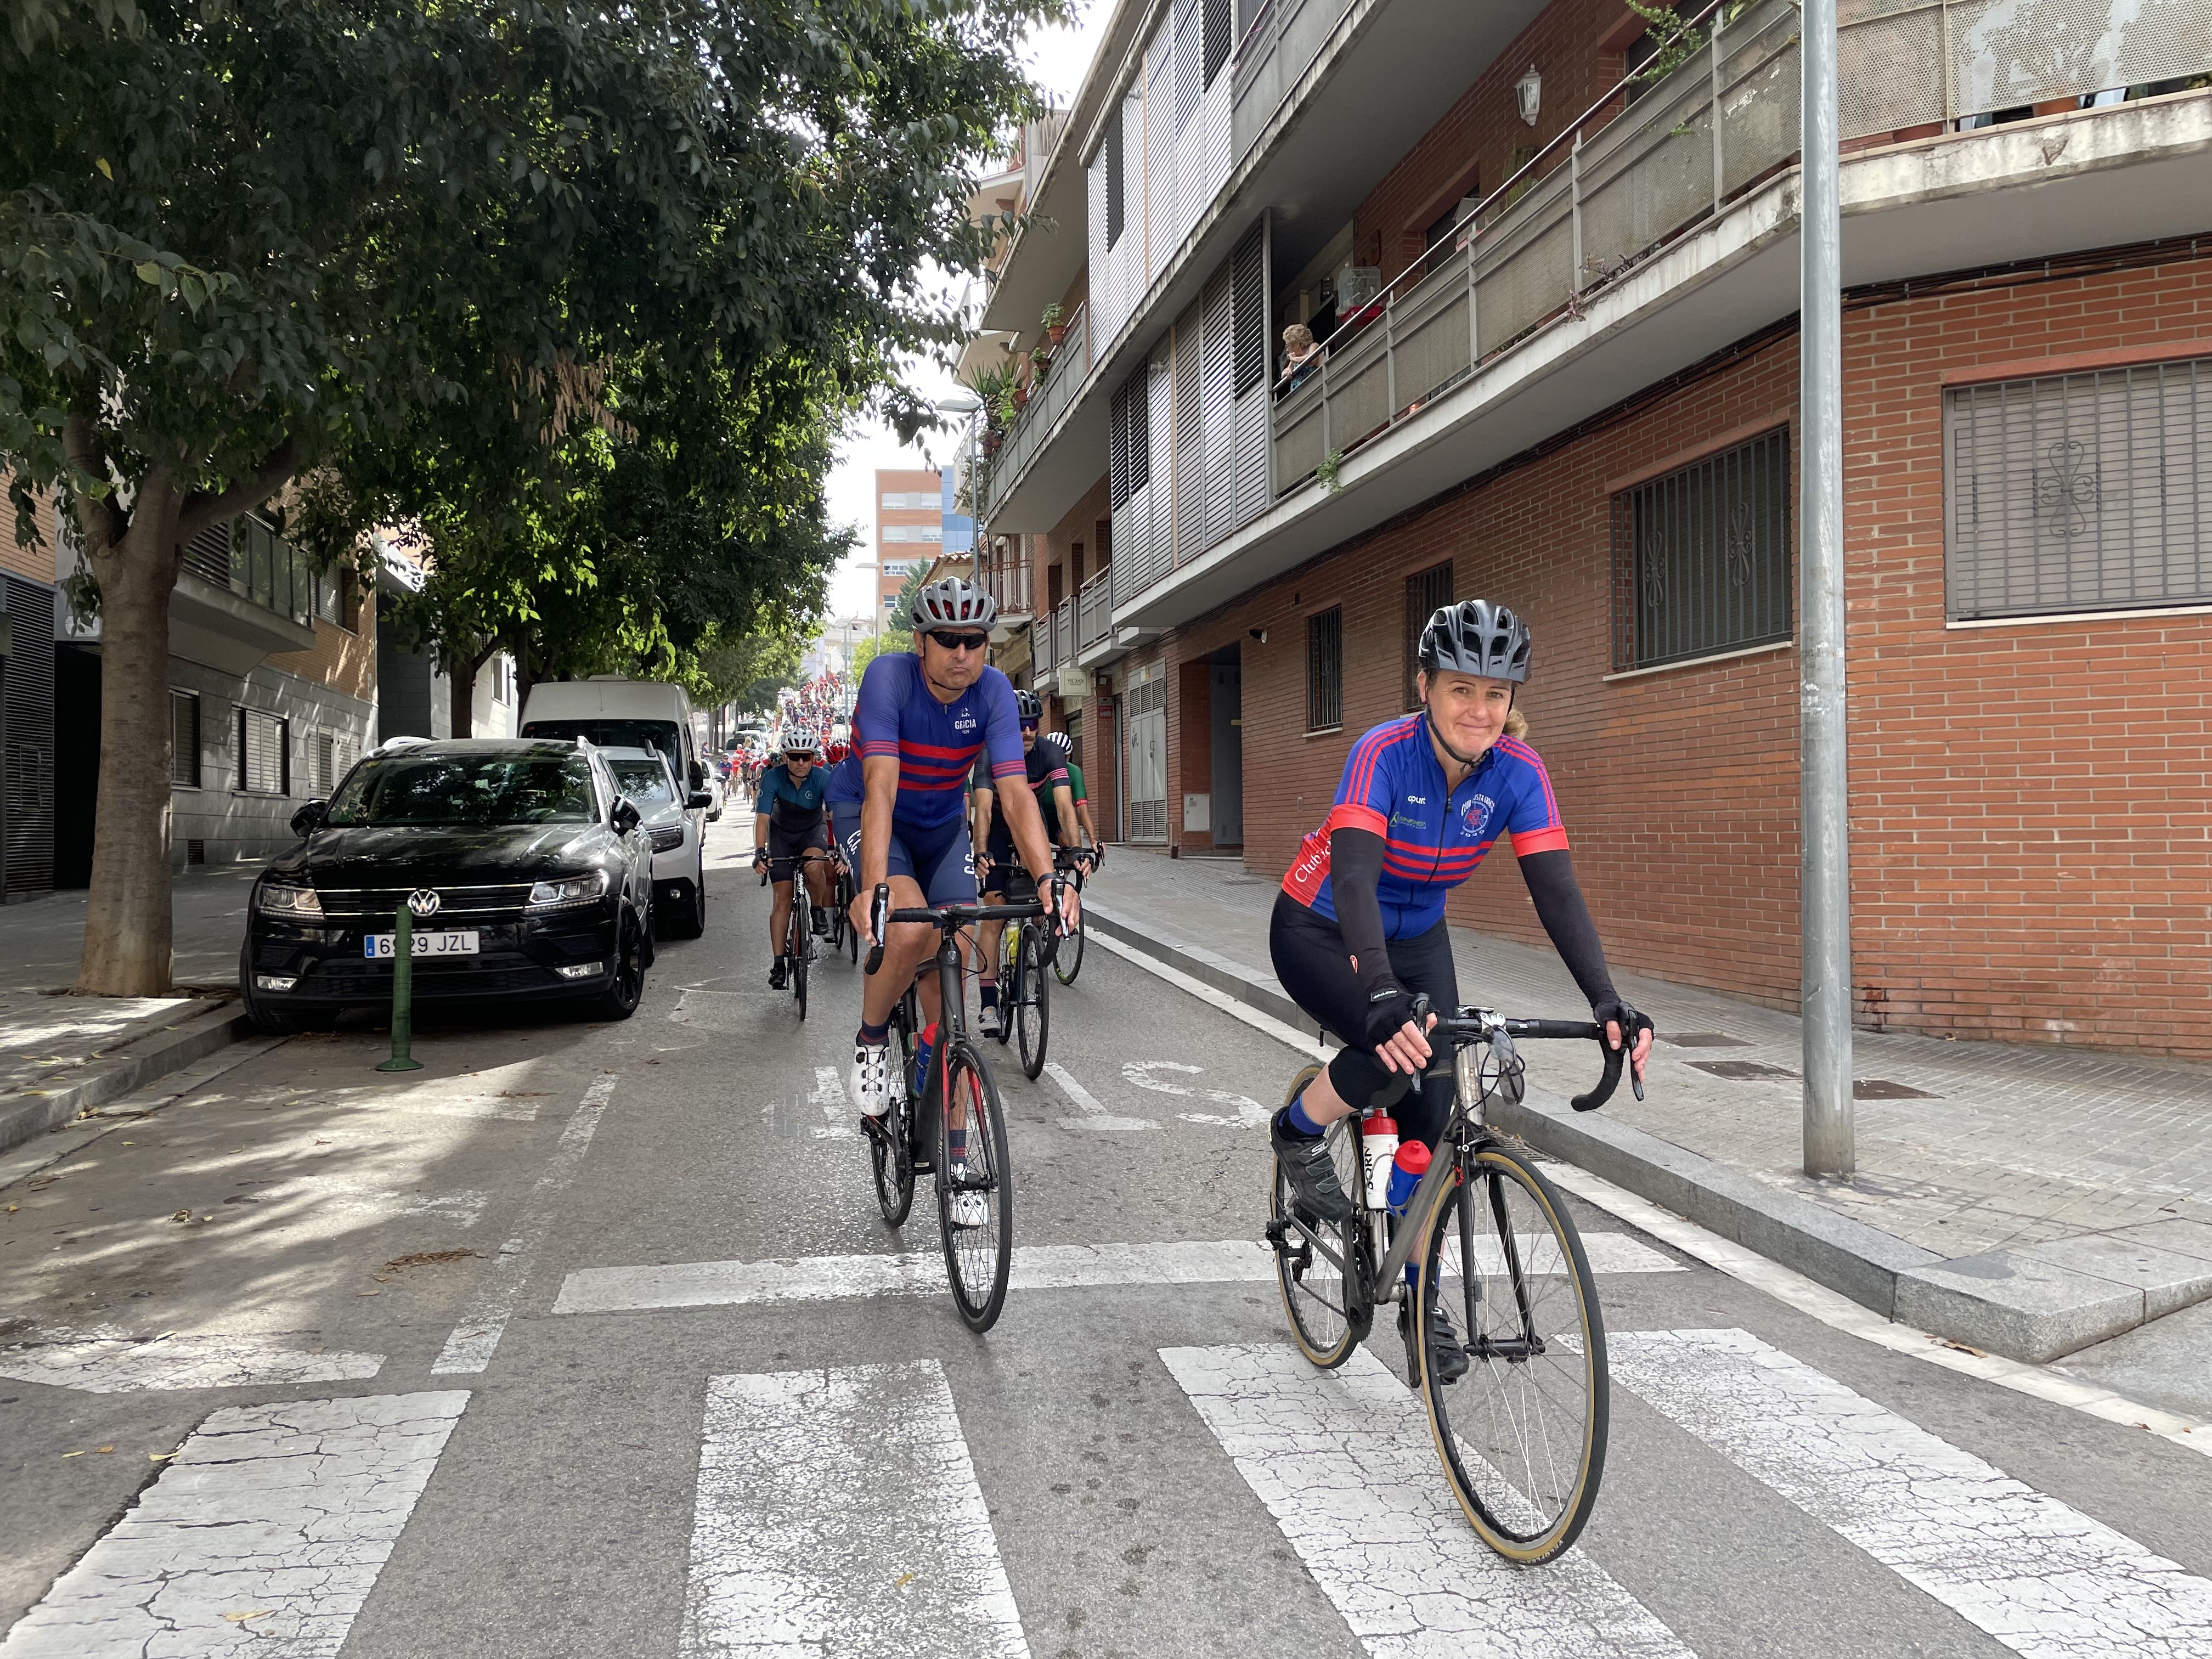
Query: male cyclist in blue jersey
[[789, 819], [1358, 930], [898, 805]]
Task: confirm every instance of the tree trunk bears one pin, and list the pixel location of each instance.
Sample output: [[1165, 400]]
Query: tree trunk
[[463, 678], [126, 916]]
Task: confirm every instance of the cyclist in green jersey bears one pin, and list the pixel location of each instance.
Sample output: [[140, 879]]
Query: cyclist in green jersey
[[998, 872]]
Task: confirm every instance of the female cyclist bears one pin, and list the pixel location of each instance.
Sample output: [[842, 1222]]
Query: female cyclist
[[1359, 929]]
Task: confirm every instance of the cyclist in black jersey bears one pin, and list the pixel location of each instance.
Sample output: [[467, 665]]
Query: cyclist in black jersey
[[998, 870]]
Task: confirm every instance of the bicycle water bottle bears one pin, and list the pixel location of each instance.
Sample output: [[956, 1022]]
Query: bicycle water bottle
[[1406, 1169], [922, 1051], [1378, 1144]]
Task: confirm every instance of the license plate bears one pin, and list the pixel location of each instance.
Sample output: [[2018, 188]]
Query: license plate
[[385, 946]]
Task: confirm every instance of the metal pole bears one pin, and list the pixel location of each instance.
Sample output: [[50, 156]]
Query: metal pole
[[403, 995], [1825, 794], [974, 507]]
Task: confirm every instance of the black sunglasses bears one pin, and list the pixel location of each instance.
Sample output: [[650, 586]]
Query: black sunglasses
[[953, 642]]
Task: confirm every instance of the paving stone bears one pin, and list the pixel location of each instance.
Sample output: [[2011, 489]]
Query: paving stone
[[2009, 1303], [2168, 1280]]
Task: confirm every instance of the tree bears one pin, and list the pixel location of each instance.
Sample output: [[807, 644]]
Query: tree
[[238, 242]]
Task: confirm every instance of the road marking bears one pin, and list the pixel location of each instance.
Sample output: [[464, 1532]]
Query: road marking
[[1344, 1461], [838, 1512], [1284, 1033], [1249, 1113], [475, 1338], [916, 1272], [837, 1106], [2040, 1577], [265, 1533], [1095, 1116], [107, 1364], [1831, 1308]]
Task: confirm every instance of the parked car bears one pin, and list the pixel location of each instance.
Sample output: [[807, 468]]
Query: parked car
[[678, 840], [614, 713], [524, 870], [718, 787]]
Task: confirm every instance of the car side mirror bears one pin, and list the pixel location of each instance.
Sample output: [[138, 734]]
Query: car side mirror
[[625, 817], [699, 801], [698, 775], [309, 818]]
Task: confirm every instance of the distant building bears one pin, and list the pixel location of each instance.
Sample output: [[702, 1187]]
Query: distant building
[[910, 528]]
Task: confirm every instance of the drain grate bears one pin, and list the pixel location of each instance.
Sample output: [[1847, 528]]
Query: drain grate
[[1705, 1040], [1874, 1088], [1741, 1069]]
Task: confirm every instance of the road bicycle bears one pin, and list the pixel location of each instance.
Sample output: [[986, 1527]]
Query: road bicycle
[[843, 936], [1522, 1435], [958, 1097], [1067, 960], [1025, 950], [799, 933]]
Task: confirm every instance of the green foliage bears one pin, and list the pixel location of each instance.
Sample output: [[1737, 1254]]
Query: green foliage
[[748, 670], [892, 639], [901, 620], [1330, 470]]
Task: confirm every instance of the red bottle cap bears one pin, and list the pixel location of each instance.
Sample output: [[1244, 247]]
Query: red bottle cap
[[1413, 1157], [1378, 1123]]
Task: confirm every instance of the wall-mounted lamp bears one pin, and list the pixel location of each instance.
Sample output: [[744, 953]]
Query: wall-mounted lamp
[[1528, 94], [1258, 633]]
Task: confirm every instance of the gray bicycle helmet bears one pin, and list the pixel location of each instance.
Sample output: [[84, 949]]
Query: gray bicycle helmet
[[1477, 636], [953, 604], [1027, 707]]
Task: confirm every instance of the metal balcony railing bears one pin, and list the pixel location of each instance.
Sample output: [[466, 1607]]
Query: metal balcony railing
[[1049, 399], [1042, 638], [1010, 586], [1095, 611], [1280, 44], [1063, 631], [254, 563]]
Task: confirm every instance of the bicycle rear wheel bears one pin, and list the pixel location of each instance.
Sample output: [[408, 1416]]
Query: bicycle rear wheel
[[1523, 1435], [1321, 1269], [1068, 961], [1033, 1004], [979, 1248]]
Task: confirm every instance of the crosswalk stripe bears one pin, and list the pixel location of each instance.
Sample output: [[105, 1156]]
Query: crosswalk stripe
[[835, 1105], [119, 1364], [472, 1342], [1036, 1267], [2042, 1578], [265, 1533], [1344, 1461], [838, 1512]]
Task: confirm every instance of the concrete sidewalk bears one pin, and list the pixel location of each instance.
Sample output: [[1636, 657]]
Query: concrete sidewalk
[[62, 1056], [2026, 1201]]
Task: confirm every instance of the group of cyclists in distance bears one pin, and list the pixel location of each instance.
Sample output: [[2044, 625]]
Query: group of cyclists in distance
[[952, 786]]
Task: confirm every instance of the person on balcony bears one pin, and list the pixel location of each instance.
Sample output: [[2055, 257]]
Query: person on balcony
[[1301, 359]]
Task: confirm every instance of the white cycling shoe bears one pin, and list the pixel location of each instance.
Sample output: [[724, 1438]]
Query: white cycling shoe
[[873, 1079], [969, 1209], [988, 1021]]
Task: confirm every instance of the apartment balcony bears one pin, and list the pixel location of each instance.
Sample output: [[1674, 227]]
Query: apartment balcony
[[1658, 231], [1009, 584], [242, 594], [1050, 399], [1095, 612]]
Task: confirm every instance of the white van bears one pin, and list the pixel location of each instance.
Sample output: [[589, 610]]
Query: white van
[[613, 712]]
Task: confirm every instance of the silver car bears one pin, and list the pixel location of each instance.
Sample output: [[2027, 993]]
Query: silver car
[[673, 828]]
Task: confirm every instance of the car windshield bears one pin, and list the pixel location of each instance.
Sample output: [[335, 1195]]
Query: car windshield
[[608, 733], [465, 789], [646, 783]]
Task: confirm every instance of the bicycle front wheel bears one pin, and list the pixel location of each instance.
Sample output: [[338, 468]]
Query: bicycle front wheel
[[1033, 1005], [1522, 1435], [801, 943], [894, 1162], [975, 1189], [1068, 961], [1321, 1269]]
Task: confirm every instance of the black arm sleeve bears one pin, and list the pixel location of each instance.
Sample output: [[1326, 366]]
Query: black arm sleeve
[[1355, 865], [1566, 918]]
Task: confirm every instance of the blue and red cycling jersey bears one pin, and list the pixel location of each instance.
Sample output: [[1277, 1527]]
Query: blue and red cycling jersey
[[1394, 786], [936, 742]]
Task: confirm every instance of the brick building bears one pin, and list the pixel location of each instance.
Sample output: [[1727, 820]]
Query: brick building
[[1560, 370], [910, 528]]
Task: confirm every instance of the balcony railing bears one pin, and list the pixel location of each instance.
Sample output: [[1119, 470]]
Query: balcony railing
[[1043, 637], [1048, 400], [1063, 631], [1096, 612], [1010, 586], [1601, 198], [254, 563], [1279, 45]]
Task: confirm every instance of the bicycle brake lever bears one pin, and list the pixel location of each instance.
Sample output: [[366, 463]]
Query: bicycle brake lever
[[1512, 1070]]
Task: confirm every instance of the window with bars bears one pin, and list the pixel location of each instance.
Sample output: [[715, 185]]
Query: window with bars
[[1325, 670], [1116, 215], [1129, 441], [1701, 558], [2079, 492], [184, 740], [1249, 309], [264, 761], [1427, 591]]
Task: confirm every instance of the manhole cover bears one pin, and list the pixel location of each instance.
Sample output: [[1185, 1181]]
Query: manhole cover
[[1874, 1088], [1704, 1040], [1741, 1068]]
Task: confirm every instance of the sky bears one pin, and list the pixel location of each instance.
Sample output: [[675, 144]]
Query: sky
[[1059, 59]]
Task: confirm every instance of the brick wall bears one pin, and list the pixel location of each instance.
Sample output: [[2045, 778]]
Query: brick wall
[[36, 562], [344, 659], [2032, 834]]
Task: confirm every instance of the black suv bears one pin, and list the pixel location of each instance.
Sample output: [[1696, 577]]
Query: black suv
[[521, 866]]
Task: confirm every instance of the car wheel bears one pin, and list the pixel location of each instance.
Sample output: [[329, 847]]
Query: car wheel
[[620, 1000], [690, 920], [265, 1018], [651, 934]]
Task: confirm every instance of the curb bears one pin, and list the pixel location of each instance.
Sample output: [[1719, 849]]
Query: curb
[[2035, 1305], [138, 1060]]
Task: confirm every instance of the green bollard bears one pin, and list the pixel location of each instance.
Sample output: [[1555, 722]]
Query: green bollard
[[403, 995]]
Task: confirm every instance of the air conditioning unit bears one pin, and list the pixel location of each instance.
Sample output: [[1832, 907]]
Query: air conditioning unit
[[1073, 683]]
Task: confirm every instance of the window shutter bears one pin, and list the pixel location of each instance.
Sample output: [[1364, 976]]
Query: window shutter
[[1115, 214], [1427, 591], [184, 740], [1217, 19], [1325, 670], [1250, 281]]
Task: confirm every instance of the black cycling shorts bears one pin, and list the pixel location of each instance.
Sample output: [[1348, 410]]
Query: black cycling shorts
[[784, 847], [1313, 966]]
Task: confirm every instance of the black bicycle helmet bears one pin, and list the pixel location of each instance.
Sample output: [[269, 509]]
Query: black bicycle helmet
[[1477, 636], [953, 604], [1027, 706]]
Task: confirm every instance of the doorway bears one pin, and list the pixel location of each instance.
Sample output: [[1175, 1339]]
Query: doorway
[[1225, 699]]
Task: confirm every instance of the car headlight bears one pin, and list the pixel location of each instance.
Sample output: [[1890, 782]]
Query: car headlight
[[568, 890], [287, 898]]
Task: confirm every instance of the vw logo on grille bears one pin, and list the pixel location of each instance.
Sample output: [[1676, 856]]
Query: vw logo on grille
[[423, 901]]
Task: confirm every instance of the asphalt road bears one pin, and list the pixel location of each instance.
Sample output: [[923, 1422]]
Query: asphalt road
[[318, 1357]]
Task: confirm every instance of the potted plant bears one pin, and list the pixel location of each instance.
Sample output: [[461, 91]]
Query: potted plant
[[1053, 330]]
